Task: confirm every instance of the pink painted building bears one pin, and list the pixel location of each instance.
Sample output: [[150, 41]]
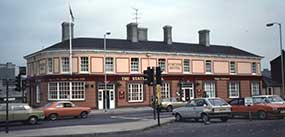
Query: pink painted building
[[189, 69]]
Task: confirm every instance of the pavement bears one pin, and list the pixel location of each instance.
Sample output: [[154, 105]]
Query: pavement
[[80, 130]]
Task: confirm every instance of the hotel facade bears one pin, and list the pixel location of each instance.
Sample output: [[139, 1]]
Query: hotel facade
[[189, 70]]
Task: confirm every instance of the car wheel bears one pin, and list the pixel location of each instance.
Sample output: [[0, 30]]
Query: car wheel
[[84, 115], [205, 118], [33, 120], [169, 108], [224, 119], [53, 117], [262, 115], [178, 117]]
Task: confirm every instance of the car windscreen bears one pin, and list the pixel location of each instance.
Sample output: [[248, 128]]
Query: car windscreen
[[217, 102], [259, 100], [47, 105], [273, 99]]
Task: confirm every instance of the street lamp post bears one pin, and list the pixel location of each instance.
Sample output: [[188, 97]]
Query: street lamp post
[[281, 50], [105, 75]]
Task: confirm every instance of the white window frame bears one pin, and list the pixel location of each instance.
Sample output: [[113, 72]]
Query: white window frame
[[233, 67], [253, 68], [162, 64], [234, 86], [255, 88], [65, 65], [207, 65], [210, 88], [185, 66], [165, 90], [49, 66], [38, 93], [135, 92], [68, 89], [135, 65], [109, 65], [84, 64]]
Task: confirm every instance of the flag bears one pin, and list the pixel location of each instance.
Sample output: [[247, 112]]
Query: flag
[[71, 14]]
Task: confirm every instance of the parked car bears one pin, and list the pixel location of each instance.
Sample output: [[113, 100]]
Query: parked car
[[169, 104], [205, 109], [55, 110], [21, 112], [272, 99], [259, 107]]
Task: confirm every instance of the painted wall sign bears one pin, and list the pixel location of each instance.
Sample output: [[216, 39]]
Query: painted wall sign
[[132, 78], [174, 66]]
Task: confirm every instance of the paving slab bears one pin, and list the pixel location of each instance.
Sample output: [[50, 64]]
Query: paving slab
[[87, 129]]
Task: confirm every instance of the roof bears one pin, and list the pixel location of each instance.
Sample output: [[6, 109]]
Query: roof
[[147, 46], [270, 83]]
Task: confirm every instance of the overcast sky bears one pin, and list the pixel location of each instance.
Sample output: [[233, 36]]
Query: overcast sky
[[27, 26]]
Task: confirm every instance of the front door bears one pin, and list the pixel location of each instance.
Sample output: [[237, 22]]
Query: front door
[[187, 92], [106, 98]]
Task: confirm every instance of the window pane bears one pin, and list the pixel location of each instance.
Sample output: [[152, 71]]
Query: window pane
[[209, 88], [233, 89], [232, 67], [109, 64], [84, 64], [186, 65], [135, 92], [65, 64], [50, 65], [135, 65], [255, 88], [208, 66], [165, 90], [161, 64], [253, 67]]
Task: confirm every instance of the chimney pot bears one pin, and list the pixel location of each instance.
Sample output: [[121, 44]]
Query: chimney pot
[[204, 37], [132, 32], [142, 34], [167, 34], [66, 30]]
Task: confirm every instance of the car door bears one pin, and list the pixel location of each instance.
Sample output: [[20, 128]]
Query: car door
[[235, 106], [3, 113], [19, 113], [198, 109], [189, 109], [68, 109]]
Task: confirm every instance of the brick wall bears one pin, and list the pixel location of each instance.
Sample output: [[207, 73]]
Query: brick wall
[[222, 89], [245, 88]]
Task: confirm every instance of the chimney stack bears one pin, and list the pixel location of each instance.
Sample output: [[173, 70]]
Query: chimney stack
[[167, 34], [142, 34], [132, 32], [204, 37], [65, 30]]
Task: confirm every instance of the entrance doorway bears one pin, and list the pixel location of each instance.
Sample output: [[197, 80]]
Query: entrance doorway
[[106, 98], [187, 91]]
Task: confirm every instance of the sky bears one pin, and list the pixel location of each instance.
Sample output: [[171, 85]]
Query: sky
[[27, 26]]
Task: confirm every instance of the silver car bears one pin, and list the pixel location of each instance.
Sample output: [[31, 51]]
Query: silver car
[[205, 109]]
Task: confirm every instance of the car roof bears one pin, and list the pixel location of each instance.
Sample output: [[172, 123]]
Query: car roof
[[265, 96]]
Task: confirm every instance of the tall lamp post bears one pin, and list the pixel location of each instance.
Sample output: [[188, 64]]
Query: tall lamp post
[[281, 50], [105, 75]]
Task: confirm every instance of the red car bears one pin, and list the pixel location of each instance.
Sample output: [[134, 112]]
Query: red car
[[258, 106], [55, 110]]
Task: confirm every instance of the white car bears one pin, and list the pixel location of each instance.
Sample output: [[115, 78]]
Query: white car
[[205, 109], [271, 99]]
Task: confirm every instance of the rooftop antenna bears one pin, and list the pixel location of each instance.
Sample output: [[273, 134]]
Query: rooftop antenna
[[136, 14]]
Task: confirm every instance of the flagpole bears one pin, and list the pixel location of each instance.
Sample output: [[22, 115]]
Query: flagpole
[[70, 42]]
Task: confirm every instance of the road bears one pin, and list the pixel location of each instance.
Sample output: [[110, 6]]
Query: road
[[93, 119], [232, 128]]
